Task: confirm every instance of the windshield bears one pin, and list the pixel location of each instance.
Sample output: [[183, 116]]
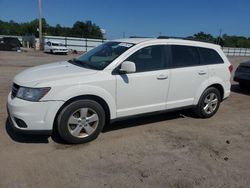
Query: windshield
[[101, 56], [57, 44]]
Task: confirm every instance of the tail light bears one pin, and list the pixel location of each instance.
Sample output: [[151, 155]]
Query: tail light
[[230, 68]]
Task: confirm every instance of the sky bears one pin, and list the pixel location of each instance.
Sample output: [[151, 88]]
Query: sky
[[149, 18]]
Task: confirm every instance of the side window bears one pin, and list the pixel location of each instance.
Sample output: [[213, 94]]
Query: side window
[[184, 56], [149, 58], [209, 56]]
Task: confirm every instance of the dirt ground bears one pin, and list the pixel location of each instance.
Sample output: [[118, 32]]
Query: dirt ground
[[164, 150]]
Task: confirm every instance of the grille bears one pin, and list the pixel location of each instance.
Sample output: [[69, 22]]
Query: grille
[[14, 91]]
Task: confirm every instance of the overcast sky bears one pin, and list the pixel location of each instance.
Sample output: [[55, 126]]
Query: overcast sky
[[139, 17]]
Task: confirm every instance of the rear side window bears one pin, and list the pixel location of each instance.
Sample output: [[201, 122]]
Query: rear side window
[[184, 56], [209, 56]]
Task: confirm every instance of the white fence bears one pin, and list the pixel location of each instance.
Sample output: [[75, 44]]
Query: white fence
[[86, 44], [236, 51], [79, 44]]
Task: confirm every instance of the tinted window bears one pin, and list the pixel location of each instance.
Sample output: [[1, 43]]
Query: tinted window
[[101, 56], [149, 58], [184, 56], [209, 56]]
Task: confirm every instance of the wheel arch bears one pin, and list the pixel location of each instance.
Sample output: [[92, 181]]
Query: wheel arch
[[220, 89], [207, 85], [95, 98]]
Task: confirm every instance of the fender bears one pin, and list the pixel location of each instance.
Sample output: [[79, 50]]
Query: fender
[[79, 90], [210, 81], [201, 89]]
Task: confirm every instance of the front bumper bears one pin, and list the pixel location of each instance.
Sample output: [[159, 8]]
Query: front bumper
[[60, 51], [38, 116]]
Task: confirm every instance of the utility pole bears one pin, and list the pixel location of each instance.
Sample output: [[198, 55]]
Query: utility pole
[[218, 42], [40, 24]]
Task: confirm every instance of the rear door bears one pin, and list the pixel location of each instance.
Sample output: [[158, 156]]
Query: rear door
[[186, 74]]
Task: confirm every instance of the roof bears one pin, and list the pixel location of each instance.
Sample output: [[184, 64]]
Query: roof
[[133, 40], [170, 40]]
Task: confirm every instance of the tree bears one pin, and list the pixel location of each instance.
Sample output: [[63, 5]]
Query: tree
[[86, 29], [79, 29], [203, 36]]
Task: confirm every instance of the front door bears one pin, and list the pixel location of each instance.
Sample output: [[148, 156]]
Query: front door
[[146, 89]]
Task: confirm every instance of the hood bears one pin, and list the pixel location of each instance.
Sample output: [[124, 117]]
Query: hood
[[49, 72]]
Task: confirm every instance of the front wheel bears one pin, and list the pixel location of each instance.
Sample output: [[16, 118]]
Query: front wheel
[[81, 121], [209, 103]]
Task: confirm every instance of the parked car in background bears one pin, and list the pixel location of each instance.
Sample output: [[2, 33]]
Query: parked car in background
[[55, 48], [117, 79], [10, 44], [242, 75]]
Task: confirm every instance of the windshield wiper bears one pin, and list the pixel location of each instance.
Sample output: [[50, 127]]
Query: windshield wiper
[[84, 64]]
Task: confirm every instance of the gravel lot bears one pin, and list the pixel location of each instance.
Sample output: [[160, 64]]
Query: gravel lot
[[164, 150]]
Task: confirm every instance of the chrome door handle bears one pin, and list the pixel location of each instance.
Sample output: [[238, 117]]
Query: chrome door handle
[[162, 77]]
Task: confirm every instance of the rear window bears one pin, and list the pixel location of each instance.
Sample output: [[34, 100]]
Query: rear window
[[209, 56], [184, 56]]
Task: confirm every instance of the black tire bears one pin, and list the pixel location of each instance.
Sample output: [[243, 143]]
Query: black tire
[[64, 127], [200, 108]]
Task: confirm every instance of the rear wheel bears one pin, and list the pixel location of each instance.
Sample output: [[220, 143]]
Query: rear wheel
[[209, 103], [81, 121]]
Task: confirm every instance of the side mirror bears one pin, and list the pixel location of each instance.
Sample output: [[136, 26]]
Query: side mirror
[[127, 67]]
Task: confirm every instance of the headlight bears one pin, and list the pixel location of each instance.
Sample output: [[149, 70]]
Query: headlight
[[32, 94]]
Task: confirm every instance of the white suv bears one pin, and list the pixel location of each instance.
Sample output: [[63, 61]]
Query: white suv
[[117, 79], [55, 48]]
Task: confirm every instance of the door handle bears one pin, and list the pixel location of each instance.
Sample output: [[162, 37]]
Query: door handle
[[202, 73], [162, 77]]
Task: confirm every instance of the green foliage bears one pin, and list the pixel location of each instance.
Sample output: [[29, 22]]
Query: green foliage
[[204, 37], [236, 41], [225, 40], [79, 29]]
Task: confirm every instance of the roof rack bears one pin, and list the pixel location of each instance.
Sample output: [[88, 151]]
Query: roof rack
[[184, 38], [138, 37]]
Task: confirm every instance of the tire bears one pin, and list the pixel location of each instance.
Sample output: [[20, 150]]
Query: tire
[[81, 121], [209, 103]]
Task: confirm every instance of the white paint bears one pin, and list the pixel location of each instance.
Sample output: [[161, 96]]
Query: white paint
[[127, 94]]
